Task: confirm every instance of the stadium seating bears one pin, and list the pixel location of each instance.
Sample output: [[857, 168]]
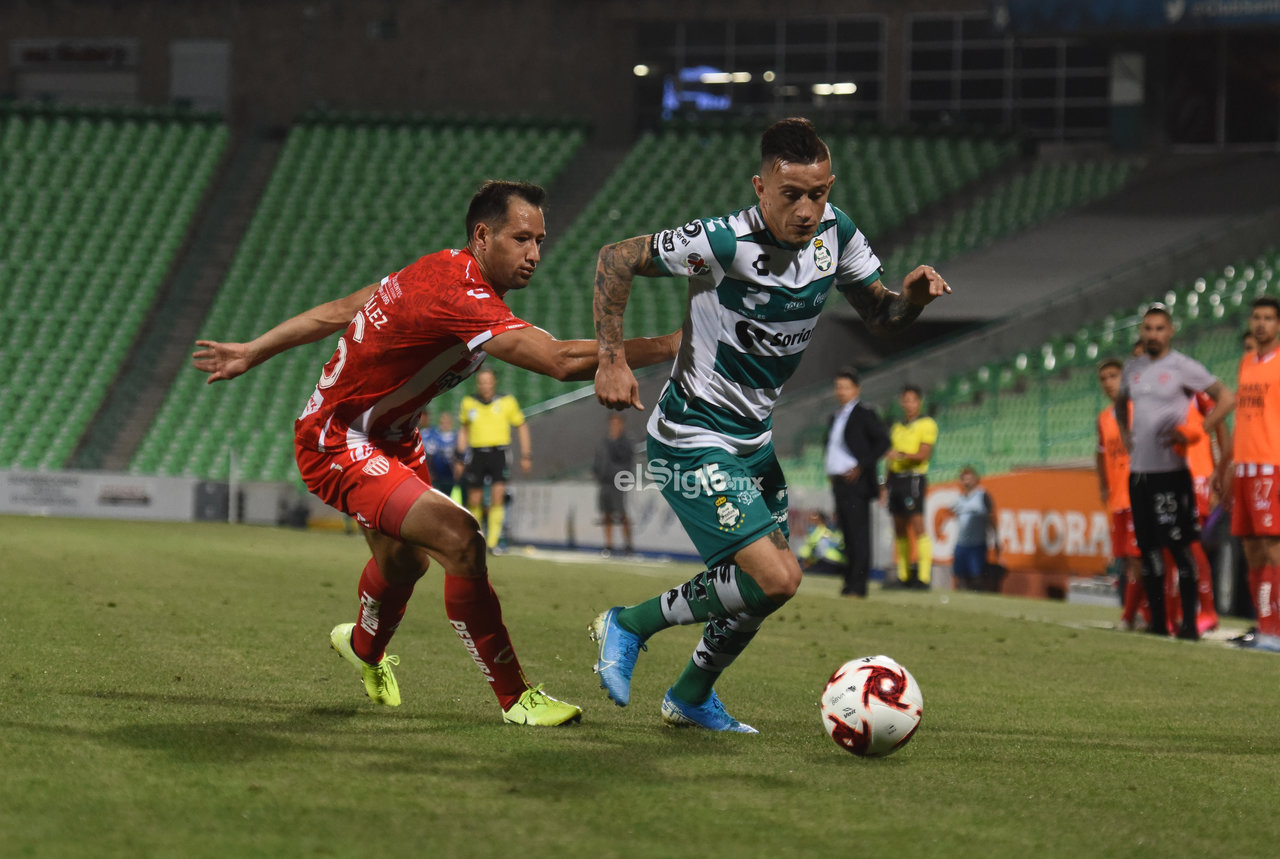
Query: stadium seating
[[351, 199], [1015, 205], [1040, 407], [94, 205]]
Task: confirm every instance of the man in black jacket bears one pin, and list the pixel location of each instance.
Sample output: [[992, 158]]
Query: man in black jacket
[[856, 439]]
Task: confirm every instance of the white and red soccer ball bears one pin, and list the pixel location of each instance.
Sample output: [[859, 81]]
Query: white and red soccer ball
[[872, 706]]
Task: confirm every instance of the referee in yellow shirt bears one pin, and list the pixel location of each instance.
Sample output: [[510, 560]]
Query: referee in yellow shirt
[[484, 435], [912, 440]]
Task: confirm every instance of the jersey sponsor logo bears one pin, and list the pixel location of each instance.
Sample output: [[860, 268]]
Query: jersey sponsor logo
[[755, 297], [692, 229], [749, 335], [669, 241], [696, 264], [821, 256], [379, 466], [761, 265], [469, 643]]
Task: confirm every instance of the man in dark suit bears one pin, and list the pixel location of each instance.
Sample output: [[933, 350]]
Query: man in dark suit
[[856, 439]]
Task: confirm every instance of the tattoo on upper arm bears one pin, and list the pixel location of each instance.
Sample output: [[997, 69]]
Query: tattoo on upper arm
[[882, 310], [618, 265]]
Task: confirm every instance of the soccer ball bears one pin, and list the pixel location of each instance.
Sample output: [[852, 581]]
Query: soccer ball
[[872, 706]]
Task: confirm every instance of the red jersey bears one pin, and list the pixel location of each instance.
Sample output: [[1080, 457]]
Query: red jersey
[[1258, 409], [1115, 460], [418, 335]]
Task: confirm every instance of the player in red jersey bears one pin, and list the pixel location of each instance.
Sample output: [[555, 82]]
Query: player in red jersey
[[1255, 516], [1112, 466], [419, 332]]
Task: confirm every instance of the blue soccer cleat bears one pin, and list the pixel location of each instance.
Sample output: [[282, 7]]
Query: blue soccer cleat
[[710, 715], [619, 650]]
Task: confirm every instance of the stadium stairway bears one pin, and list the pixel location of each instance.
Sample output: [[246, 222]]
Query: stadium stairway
[[573, 189], [168, 335]]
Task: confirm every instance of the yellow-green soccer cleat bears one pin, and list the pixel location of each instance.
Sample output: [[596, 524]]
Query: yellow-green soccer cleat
[[379, 682], [536, 707]]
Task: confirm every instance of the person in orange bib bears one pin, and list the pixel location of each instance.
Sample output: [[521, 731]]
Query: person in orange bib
[[1112, 465], [1255, 480]]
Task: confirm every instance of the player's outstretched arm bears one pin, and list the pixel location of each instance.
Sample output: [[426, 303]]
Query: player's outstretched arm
[[616, 268], [574, 360], [224, 361], [885, 311]]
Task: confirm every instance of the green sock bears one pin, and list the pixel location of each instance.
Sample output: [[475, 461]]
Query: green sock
[[723, 591], [722, 641]]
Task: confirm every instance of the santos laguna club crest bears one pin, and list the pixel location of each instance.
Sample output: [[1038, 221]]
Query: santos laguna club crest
[[728, 516], [821, 256]]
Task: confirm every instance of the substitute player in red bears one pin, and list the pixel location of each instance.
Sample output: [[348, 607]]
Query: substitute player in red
[[419, 332], [1112, 467], [1255, 516]]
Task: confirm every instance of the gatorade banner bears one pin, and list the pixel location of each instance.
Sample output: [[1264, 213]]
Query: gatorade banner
[[1050, 525]]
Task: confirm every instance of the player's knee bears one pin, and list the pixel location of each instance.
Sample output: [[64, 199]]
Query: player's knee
[[781, 583], [464, 546]]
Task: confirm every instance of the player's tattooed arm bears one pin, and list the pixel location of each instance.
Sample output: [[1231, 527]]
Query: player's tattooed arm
[[885, 311], [616, 268]]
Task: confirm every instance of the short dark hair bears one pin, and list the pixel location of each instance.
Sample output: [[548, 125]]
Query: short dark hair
[[1266, 301], [913, 389], [490, 203], [1110, 362], [1155, 308], [793, 140], [850, 373]]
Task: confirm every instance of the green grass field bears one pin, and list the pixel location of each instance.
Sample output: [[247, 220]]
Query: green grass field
[[168, 690]]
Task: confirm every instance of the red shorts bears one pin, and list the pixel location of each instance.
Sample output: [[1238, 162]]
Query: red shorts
[[1124, 541], [375, 483], [1255, 508]]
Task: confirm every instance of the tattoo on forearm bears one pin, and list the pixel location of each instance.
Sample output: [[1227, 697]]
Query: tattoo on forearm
[[618, 265], [884, 311]]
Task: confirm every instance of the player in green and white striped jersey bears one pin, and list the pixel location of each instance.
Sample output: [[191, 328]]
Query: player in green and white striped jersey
[[758, 280]]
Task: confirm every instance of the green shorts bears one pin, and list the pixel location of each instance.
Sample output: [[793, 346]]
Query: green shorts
[[723, 501]]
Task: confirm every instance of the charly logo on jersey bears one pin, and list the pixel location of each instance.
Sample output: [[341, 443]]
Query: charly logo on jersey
[[696, 264], [821, 256], [728, 516]]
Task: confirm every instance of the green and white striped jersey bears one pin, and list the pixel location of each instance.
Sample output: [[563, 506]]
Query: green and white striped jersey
[[753, 306]]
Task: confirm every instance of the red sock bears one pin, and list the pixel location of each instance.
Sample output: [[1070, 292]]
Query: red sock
[[1256, 576], [476, 615], [1208, 617], [1172, 601], [1133, 598], [382, 605], [1268, 614]]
